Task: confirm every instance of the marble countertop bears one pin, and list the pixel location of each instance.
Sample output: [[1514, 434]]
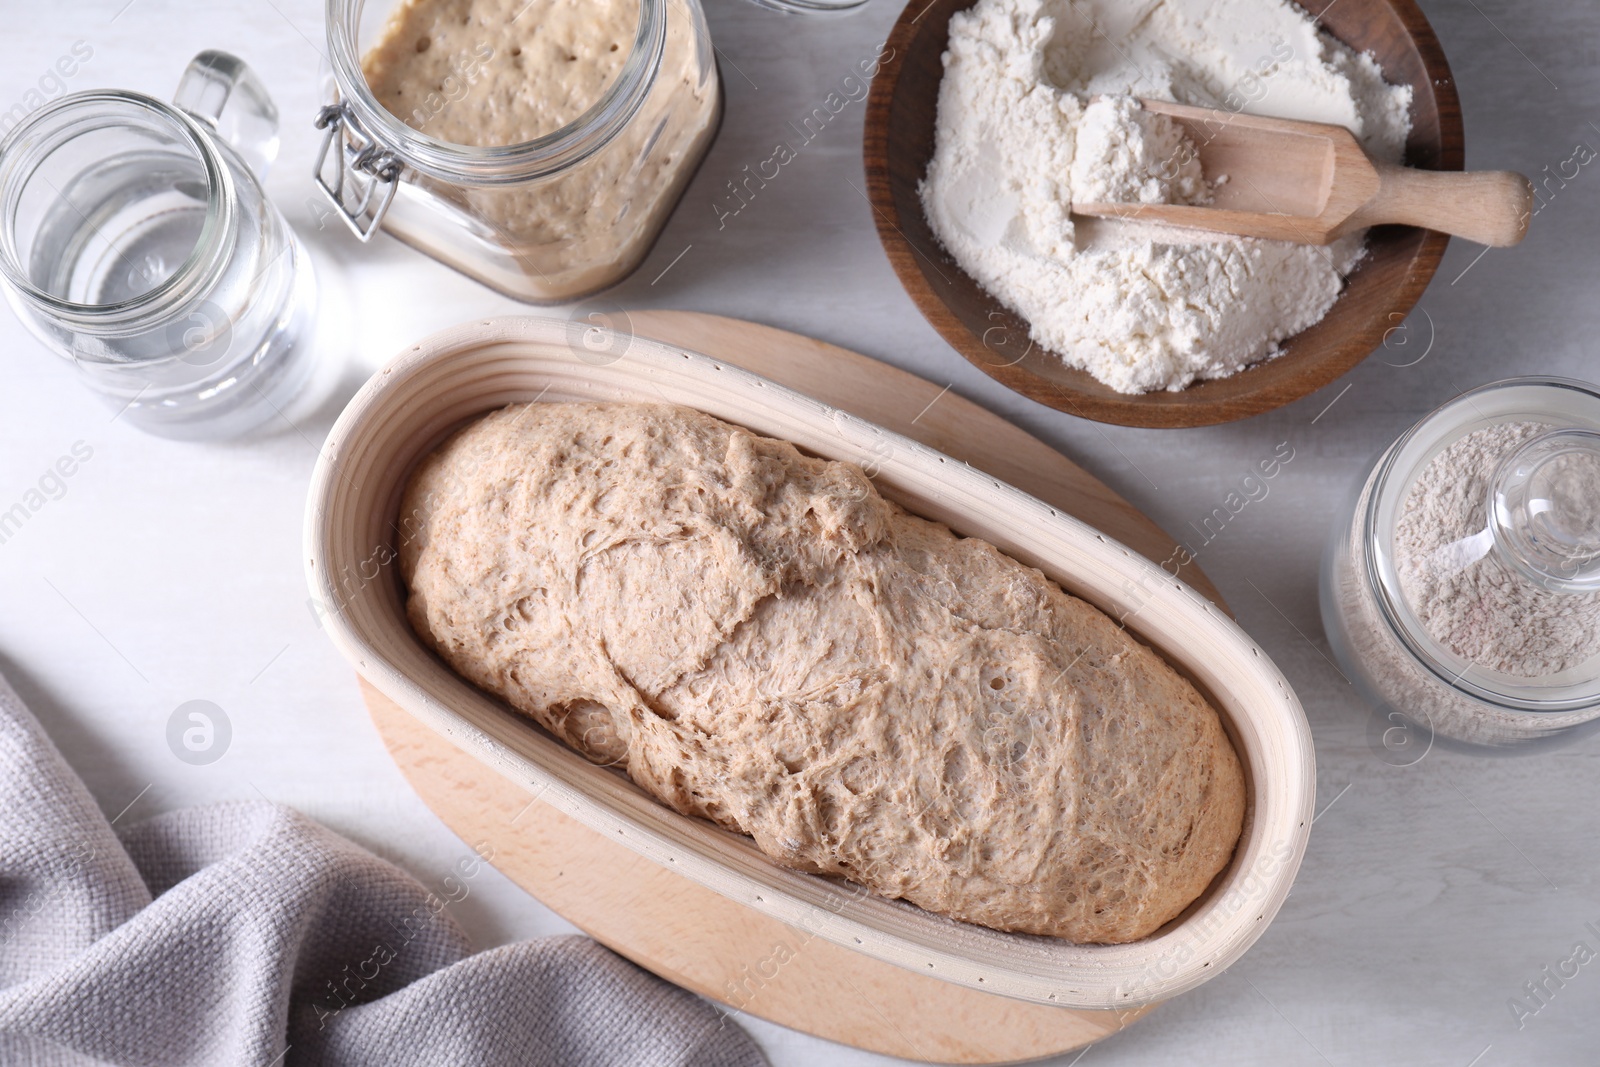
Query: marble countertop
[[1431, 893]]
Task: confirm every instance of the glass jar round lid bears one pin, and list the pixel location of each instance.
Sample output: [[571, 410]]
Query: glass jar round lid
[[1485, 535]]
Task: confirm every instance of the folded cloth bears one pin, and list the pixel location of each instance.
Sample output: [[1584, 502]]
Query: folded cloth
[[247, 934]]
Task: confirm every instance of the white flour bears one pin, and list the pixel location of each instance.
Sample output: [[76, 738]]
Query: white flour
[[1137, 306], [1483, 612]]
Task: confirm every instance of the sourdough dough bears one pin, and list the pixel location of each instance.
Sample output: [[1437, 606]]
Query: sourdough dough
[[759, 638]]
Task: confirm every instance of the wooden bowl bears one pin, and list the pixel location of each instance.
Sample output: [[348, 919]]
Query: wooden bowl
[[404, 411], [1379, 294]]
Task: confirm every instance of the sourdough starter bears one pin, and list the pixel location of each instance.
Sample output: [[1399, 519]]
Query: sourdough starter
[[541, 64]]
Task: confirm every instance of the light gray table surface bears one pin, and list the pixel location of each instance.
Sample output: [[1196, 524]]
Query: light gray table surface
[[170, 572]]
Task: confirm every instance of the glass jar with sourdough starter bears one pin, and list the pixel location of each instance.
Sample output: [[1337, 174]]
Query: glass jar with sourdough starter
[[630, 93], [1461, 587]]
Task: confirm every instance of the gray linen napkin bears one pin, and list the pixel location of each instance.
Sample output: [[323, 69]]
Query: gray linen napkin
[[247, 934]]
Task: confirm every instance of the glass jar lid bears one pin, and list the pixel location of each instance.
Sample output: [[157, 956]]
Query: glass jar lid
[[1544, 515], [1484, 532]]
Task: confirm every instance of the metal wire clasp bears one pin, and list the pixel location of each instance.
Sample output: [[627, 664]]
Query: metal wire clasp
[[359, 167]]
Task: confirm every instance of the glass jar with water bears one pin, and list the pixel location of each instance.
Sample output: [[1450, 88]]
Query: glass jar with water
[[136, 241]]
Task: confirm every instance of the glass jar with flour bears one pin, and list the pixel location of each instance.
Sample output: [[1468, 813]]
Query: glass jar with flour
[[1461, 587]]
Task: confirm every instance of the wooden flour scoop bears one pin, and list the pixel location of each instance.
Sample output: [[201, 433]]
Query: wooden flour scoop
[[1311, 183]]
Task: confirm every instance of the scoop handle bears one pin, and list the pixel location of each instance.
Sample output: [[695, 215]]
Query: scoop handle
[[1491, 207]]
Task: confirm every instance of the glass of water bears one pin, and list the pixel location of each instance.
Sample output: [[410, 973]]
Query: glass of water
[[136, 241]]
